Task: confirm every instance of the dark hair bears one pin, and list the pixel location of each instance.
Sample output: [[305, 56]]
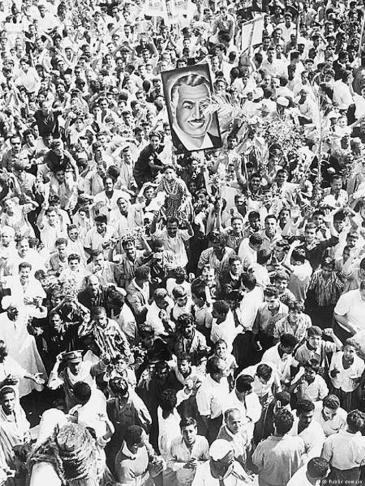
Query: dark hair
[[82, 392], [288, 340], [312, 364], [355, 420], [198, 289], [221, 306], [271, 291], [264, 371], [255, 239], [184, 357], [118, 386], [73, 256], [244, 383], [283, 421], [304, 406], [61, 241], [168, 402], [283, 397], [317, 467], [248, 281], [213, 365], [187, 421], [101, 218], [5, 390], [234, 258], [24, 265], [263, 256], [98, 311], [3, 351], [331, 401], [280, 275], [270, 216], [183, 320], [314, 331], [295, 306]]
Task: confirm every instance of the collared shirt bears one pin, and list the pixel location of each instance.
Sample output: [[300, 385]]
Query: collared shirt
[[299, 329], [247, 254], [265, 320], [175, 245], [347, 379], [262, 389], [282, 363], [249, 306], [209, 256], [333, 425], [94, 240], [186, 140], [211, 396], [278, 458], [250, 409], [313, 437], [304, 354], [180, 454], [315, 391], [344, 450], [226, 330]]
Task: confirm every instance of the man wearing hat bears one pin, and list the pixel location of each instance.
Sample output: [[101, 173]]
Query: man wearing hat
[[222, 469], [75, 370]]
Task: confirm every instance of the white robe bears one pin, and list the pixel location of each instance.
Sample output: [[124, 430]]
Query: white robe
[[22, 348]]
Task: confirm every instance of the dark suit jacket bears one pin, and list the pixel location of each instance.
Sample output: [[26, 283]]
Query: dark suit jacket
[[180, 147]]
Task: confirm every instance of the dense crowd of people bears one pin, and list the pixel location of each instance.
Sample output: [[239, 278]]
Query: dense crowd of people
[[175, 317]]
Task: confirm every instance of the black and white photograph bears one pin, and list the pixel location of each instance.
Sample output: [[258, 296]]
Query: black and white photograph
[[182, 243]]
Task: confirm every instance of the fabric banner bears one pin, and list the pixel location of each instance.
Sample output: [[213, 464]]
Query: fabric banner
[[251, 32]]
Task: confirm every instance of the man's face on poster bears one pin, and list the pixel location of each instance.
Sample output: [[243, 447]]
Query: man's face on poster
[[191, 116]]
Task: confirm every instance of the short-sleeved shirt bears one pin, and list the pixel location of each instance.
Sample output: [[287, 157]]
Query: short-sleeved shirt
[[352, 306], [304, 354], [175, 245]]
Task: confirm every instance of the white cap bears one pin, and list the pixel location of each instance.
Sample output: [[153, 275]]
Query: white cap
[[282, 101], [219, 449]]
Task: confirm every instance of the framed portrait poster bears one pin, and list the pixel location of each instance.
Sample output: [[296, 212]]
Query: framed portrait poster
[[192, 114]]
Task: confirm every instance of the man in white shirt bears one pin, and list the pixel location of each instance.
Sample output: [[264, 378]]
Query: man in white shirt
[[211, 397], [330, 415], [223, 324], [266, 381], [280, 356], [309, 430], [248, 249], [173, 240], [247, 402], [312, 474], [345, 451], [350, 310]]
